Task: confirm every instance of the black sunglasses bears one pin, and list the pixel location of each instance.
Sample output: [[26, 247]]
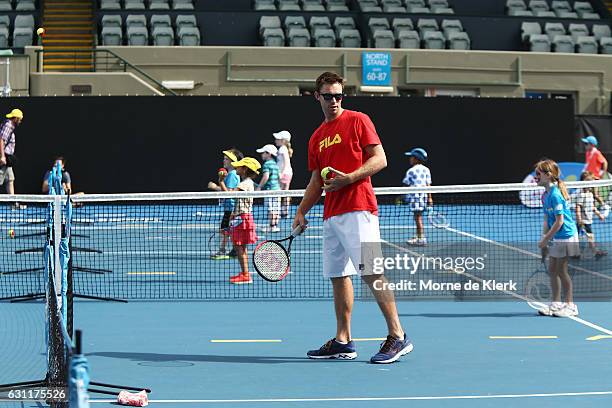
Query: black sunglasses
[[329, 96]]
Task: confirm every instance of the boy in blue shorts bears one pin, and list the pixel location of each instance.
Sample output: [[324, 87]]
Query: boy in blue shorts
[[418, 176]]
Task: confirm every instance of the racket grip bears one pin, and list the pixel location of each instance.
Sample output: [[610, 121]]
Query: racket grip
[[297, 231]]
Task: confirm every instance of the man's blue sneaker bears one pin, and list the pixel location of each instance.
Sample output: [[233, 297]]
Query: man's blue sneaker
[[392, 349], [332, 349]]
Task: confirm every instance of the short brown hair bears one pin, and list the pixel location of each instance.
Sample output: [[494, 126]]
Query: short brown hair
[[329, 78]]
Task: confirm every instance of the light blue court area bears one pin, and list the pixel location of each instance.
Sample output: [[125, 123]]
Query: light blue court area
[[252, 354]]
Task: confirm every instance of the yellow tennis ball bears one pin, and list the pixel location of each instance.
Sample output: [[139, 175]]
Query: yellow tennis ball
[[40, 31], [11, 233], [327, 173]]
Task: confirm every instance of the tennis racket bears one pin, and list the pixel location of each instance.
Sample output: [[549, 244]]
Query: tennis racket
[[271, 260], [537, 290], [214, 240], [436, 218]]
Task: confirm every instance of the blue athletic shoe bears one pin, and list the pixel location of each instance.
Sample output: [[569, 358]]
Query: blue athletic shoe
[[332, 349], [392, 349]]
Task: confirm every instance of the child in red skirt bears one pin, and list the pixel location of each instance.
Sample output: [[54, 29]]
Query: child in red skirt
[[243, 226]]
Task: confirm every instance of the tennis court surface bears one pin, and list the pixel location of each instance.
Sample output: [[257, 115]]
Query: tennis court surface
[[196, 340]]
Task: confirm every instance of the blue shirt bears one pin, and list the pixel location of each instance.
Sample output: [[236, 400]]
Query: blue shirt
[[271, 168], [231, 181], [554, 204]]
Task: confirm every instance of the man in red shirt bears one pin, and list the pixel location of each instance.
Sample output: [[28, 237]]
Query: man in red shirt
[[348, 142], [595, 162]]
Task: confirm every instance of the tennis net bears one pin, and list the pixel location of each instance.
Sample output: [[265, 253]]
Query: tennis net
[[160, 246]]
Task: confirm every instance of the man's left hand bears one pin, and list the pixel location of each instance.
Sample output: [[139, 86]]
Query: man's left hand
[[339, 181]]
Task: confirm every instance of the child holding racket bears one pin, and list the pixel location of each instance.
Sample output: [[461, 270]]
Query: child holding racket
[[558, 228], [585, 208], [228, 181], [418, 176], [243, 226]]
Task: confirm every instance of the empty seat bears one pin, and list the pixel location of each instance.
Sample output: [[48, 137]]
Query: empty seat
[[318, 22], [137, 35], [391, 2], [312, 5], [560, 5], [553, 30], [515, 5], [371, 9], [539, 43], [591, 16], [434, 40], [548, 13], [538, 5], [528, 28], [185, 20], [442, 10], [4, 37], [110, 5], [606, 46], [393, 9], [586, 45], [578, 30], [160, 20], [111, 20], [5, 21], [451, 26], [324, 37], [268, 22], [136, 20], [189, 36], [22, 36], [23, 5], [342, 23], [5, 5], [294, 22], [563, 43], [298, 37], [288, 5], [408, 39], [584, 6], [163, 36], [417, 10], [378, 23], [262, 5], [401, 24], [182, 5], [521, 13], [159, 5], [415, 3], [459, 41], [384, 39], [273, 37], [350, 38], [426, 24], [337, 7], [437, 3], [24, 21], [600, 31], [112, 35], [566, 14], [134, 5]]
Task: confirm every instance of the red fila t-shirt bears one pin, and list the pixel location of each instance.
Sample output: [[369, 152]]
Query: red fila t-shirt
[[341, 144]]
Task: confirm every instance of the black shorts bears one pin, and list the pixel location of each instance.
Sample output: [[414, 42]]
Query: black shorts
[[226, 219], [588, 228]]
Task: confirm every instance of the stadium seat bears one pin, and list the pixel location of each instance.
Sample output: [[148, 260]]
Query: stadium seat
[[294, 22], [578, 30], [261, 5], [185, 20], [600, 31], [566, 14], [434, 40], [136, 20], [273, 37], [5, 5], [312, 5], [459, 41], [268, 22], [384, 39], [371, 9], [408, 39], [563, 43], [159, 5], [583, 6], [515, 5], [182, 5], [350, 38], [5, 21], [393, 9], [25, 5], [110, 5], [22, 36], [591, 16], [160, 20], [606, 46], [163, 36], [538, 5], [418, 10], [134, 5], [324, 37], [560, 5], [548, 13], [378, 23], [137, 35], [111, 20], [401, 24], [415, 3], [586, 45], [437, 3], [426, 24], [112, 36], [539, 43], [442, 10], [451, 26], [189, 36], [318, 22], [521, 13], [24, 21], [4, 37], [298, 37], [553, 30], [528, 28], [288, 5], [342, 23], [337, 7]]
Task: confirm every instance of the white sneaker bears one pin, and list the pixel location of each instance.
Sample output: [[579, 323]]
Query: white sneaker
[[275, 228], [567, 310], [266, 228], [417, 241], [550, 310]]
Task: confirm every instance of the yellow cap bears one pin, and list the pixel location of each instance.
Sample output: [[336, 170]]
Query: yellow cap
[[230, 155], [15, 113], [249, 162]]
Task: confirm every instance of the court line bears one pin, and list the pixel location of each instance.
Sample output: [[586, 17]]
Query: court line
[[599, 337], [150, 273], [359, 399], [248, 341], [522, 337]]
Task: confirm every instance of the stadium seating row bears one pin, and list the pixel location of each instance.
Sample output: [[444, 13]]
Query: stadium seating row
[[151, 5], [576, 39], [23, 31], [20, 5], [159, 31], [299, 5], [406, 6], [401, 33], [558, 8]]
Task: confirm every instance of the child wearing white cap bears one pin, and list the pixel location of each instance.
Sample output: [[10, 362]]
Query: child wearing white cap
[[269, 181], [283, 159]]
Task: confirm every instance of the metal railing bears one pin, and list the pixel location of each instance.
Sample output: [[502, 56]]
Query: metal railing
[[105, 61]]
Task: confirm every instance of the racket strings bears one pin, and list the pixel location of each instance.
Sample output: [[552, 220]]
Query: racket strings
[[271, 260]]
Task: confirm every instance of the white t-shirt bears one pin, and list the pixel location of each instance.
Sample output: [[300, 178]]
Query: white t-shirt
[[283, 161], [586, 201]]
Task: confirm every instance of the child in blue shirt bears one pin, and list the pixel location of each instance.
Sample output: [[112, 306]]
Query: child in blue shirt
[[418, 176]]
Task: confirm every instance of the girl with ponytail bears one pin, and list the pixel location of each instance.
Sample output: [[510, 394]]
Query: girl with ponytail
[[559, 229]]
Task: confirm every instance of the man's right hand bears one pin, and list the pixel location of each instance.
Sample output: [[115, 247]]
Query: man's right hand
[[299, 219]]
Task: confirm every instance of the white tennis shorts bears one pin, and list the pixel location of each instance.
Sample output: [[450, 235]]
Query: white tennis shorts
[[272, 205], [561, 248], [343, 236]]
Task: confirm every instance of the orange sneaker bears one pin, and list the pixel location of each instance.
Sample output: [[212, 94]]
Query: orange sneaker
[[241, 278]]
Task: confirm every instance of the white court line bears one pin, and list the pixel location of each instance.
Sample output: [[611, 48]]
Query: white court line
[[359, 399]]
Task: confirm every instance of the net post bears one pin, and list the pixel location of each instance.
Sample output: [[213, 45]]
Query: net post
[[57, 237]]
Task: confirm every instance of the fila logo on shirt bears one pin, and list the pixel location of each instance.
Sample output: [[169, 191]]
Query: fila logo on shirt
[[329, 141]]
